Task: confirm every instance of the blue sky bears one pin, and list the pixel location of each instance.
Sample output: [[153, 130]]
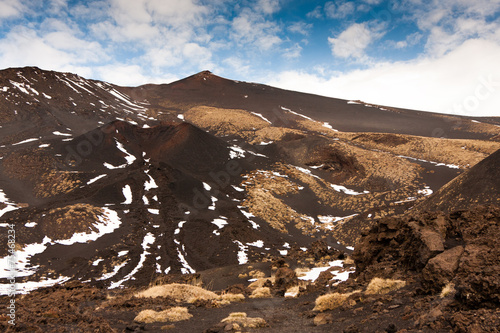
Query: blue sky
[[433, 55]]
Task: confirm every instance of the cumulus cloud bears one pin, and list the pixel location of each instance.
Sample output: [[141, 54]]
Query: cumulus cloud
[[464, 81], [353, 41]]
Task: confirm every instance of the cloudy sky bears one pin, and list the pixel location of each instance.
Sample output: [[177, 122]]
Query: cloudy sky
[[433, 55]]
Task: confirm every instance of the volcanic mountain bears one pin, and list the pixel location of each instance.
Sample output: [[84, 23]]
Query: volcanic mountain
[[119, 186], [479, 185]]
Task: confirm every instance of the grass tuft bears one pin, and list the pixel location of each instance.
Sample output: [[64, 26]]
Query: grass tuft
[[169, 315], [383, 286]]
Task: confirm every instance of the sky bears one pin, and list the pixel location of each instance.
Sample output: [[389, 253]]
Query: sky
[[430, 55]]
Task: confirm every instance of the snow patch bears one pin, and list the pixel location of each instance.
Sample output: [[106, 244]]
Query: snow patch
[[296, 113], [242, 255], [61, 134], [93, 180], [148, 185], [261, 116], [451, 166], [258, 243], [107, 223], [25, 141], [129, 157], [340, 188], [146, 242], [127, 193], [314, 273]]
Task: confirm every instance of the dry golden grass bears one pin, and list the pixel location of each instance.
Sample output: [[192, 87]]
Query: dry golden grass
[[242, 319], [274, 134], [383, 286], [169, 315], [256, 274], [271, 209], [63, 222], [461, 152], [179, 292], [56, 182], [226, 121], [260, 282], [232, 298], [331, 301], [261, 292], [465, 153], [472, 126]]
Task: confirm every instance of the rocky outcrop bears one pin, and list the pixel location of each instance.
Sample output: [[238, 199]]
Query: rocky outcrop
[[437, 250]]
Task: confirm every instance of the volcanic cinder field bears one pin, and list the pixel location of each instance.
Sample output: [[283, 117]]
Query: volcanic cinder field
[[214, 205]]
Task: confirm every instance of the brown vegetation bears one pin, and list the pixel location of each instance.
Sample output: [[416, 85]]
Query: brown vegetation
[[224, 122], [170, 315]]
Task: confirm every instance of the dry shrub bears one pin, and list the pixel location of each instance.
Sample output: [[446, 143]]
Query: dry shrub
[[256, 274], [331, 301], [447, 290], [232, 297], [170, 315], [260, 283], [241, 319], [383, 286], [180, 292], [56, 182], [263, 292]]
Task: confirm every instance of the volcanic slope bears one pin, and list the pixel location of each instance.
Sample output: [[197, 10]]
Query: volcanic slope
[[479, 185], [285, 108], [119, 186]]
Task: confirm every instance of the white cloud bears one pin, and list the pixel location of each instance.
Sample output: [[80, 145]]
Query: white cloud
[[238, 66], [10, 8], [300, 28], [58, 50], [130, 75], [252, 29], [373, 2], [316, 13], [268, 6], [464, 81], [146, 21], [353, 41], [450, 23], [339, 9], [410, 40], [293, 52]]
